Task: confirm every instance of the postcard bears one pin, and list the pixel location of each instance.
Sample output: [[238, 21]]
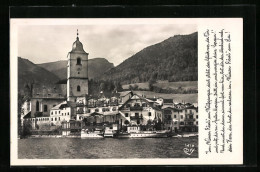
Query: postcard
[[126, 91]]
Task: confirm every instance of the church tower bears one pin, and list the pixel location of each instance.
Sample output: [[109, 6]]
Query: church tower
[[77, 71]]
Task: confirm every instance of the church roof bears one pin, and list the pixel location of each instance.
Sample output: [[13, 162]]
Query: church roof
[[77, 46]]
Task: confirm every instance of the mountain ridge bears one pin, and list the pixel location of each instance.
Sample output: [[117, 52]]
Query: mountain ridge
[[96, 67], [174, 59], [28, 72]]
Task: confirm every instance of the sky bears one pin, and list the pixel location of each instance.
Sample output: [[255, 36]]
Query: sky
[[116, 43]]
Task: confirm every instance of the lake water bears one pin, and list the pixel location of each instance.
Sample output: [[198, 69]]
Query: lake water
[[76, 148]]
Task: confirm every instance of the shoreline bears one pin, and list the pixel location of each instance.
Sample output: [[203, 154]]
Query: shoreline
[[191, 134]]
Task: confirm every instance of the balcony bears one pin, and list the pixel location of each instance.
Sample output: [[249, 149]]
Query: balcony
[[113, 104], [136, 117], [136, 108], [80, 104], [189, 120], [125, 108], [91, 105], [80, 111]]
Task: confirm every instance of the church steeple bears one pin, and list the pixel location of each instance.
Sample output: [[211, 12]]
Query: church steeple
[[77, 46], [77, 72]]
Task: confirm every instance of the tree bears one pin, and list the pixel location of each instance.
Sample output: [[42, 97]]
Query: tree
[[102, 86], [151, 82], [27, 127]]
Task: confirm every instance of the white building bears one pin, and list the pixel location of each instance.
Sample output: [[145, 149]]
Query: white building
[[61, 112]]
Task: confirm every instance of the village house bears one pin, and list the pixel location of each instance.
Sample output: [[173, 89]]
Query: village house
[[61, 112], [138, 110], [182, 117]]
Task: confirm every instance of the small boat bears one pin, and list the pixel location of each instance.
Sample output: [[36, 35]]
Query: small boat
[[150, 134], [94, 134], [186, 135], [135, 132]]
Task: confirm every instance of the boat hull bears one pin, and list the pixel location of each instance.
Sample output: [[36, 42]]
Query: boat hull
[[91, 135], [144, 135], [148, 135]]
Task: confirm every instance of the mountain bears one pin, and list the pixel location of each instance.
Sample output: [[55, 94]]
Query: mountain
[[96, 67], [174, 59], [29, 72]]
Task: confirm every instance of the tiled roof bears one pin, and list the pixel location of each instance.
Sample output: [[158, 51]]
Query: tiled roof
[[62, 105]]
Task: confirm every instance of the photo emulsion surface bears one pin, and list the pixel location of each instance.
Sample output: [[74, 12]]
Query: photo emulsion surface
[[107, 91]]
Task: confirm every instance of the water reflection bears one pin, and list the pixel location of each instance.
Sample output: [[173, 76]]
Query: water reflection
[[69, 148]]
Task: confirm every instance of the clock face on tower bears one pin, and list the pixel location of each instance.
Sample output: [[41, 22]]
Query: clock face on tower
[[79, 69]]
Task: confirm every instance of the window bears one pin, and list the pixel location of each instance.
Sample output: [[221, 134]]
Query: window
[[78, 61], [197, 122], [181, 123], [181, 116], [78, 88], [53, 105], [190, 111], [126, 114], [51, 119], [51, 112], [37, 106], [59, 112], [45, 108], [197, 116], [62, 114], [174, 116], [150, 114], [68, 113], [55, 119], [137, 105], [59, 118], [55, 112]]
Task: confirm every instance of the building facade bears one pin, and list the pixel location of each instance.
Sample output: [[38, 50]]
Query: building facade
[[61, 112], [181, 118]]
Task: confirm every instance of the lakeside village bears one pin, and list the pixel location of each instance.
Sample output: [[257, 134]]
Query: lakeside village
[[48, 113]]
